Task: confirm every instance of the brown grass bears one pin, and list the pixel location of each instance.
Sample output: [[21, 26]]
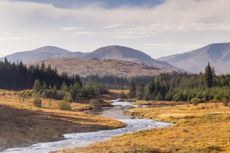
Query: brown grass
[[22, 124], [198, 129]]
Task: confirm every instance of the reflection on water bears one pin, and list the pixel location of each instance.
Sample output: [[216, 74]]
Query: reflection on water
[[115, 112]]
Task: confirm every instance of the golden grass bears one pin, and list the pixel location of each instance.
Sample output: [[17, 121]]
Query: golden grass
[[23, 124], [116, 91], [198, 129], [164, 103]]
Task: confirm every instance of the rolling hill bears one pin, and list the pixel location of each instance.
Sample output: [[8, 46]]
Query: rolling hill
[[103, 61], [217, 54], [127, 54]]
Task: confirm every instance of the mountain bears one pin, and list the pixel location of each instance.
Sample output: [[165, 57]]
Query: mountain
[[104, 67], [108, 52], [127, 54], [217, 54], [43, 53]]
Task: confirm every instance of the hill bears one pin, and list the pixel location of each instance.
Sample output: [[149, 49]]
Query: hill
[[217, 54], [108, 52], [127, 54], [43, 53]]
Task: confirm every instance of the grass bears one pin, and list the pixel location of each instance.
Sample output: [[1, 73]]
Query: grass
[[198, 129], [23, 124], [156, 103]]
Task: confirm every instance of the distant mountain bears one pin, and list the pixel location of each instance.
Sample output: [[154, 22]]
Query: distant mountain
[[105, 67], [43, 53], [108, 52], [128, 54], [217, 54]]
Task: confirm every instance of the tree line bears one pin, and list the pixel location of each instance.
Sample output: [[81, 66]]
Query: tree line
[[184, 87], [18, 76]]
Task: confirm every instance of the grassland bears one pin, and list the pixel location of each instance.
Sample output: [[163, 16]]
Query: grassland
[[22, 124], [198, 129]]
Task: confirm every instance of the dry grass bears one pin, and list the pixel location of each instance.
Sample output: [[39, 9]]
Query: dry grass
[[14, 99], [198, 129], [22, 124], [156, 103], [114, 91]]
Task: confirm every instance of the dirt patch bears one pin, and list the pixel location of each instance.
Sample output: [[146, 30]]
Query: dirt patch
[[23, 127]]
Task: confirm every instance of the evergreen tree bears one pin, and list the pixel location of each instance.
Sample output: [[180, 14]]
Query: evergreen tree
[[132, 89], [141, 91], [209, 76]]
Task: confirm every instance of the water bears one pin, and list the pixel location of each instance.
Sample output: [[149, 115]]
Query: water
[[83, 139]]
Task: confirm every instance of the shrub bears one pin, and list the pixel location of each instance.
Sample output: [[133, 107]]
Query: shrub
[[37, 102], [68, 97], [196, 101], [64, 105]]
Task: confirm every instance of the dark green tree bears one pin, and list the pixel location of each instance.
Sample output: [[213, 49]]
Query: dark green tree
[[132, 89], [209, 76]]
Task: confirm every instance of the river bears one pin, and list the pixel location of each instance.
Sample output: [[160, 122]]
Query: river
[[74, 140]]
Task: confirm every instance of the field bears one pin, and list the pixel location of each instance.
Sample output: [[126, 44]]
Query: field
[[22, 124], [198, 129]]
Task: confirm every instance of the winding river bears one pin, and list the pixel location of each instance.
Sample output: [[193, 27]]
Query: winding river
[[83, 139]]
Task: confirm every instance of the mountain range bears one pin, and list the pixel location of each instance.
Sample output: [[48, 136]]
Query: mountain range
[[120, 58]]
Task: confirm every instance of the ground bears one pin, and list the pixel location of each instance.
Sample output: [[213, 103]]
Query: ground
[[198, 129], [22, 124]]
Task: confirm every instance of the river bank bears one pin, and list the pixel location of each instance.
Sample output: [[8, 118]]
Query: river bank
[[198, 129], [83, 139], [22, 124]]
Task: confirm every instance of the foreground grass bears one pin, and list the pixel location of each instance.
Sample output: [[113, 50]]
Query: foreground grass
[[198, 129], [22, 124]]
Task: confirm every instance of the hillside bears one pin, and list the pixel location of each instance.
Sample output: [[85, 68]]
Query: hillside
[[195, 61], [105, 67]]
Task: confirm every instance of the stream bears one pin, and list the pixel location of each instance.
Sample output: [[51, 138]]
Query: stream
[[74, 140]]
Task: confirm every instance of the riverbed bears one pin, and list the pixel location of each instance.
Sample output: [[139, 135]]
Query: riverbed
[[74, 140]]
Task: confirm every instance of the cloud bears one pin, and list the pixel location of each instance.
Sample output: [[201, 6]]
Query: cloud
[[171, 26]]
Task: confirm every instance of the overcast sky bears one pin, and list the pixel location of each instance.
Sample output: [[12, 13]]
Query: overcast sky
[[157, 27]]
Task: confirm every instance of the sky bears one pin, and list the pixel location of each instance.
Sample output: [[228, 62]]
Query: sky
[[157, 27]]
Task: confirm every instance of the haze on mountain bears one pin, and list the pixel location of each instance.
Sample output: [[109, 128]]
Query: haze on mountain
[[217, 54], [42, 53], [119, 53]]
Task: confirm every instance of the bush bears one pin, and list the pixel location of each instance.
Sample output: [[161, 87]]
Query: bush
[[196, 101], [64, 105], [37, 102], [68, 97]]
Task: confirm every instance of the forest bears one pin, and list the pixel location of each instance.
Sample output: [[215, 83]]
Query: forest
[[46, 82], [184, 87]]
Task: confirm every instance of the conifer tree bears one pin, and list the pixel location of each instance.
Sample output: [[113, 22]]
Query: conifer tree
[[209, 76], [132, 89]]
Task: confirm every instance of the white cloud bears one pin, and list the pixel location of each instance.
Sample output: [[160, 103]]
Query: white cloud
[[172, 27]]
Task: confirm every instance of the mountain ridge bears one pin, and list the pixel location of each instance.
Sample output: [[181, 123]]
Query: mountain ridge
[[218, 54], [107, 52]]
